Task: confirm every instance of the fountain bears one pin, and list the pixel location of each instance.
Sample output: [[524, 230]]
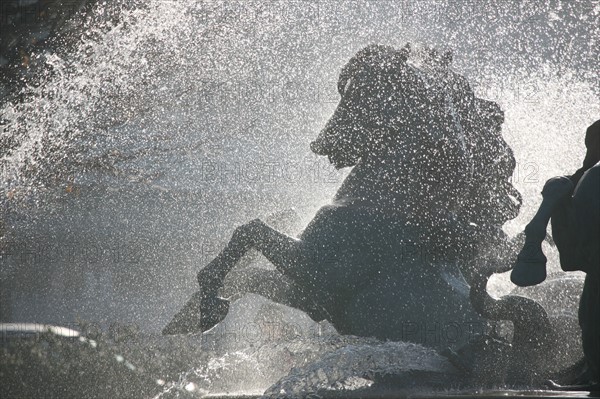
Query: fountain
[[133, 153]]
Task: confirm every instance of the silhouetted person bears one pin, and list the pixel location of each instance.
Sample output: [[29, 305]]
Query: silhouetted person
[[573, 204]]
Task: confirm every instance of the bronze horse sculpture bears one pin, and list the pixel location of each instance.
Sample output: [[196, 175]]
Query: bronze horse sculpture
[[429, 187]]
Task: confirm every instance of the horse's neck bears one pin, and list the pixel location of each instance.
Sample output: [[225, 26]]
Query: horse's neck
[[385, 182], [403, 183]]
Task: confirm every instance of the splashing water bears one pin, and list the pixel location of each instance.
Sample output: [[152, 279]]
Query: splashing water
[[168, 123]]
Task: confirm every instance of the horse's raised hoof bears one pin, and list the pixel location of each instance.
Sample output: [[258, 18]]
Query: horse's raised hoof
[[530, 268], [214, 310], [199, 314]]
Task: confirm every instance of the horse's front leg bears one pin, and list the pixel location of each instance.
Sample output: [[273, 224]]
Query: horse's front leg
[[283, 251]]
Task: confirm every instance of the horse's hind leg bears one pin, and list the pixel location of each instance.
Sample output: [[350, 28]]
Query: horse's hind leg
[[206, 308]]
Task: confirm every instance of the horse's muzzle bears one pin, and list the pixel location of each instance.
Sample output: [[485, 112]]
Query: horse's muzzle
[[317, 148]]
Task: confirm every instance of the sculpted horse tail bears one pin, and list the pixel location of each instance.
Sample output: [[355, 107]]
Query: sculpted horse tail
[[533, 339]]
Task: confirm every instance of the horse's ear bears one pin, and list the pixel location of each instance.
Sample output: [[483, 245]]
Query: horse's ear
[[446, 58], [436, 58]]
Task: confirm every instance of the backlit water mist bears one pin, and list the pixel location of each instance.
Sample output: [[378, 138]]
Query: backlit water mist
[[136, 153]]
